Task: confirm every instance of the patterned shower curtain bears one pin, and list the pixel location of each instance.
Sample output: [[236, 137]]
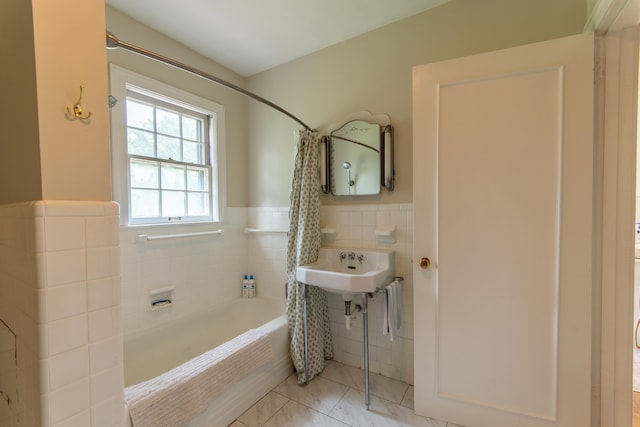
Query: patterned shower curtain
[[303, 244]]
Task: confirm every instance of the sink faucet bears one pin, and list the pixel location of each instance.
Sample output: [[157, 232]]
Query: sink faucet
[[352, 256]]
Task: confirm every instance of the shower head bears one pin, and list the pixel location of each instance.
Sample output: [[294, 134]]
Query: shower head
[[346, 166]]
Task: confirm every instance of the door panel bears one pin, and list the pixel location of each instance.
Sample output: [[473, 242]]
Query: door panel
[[502, 198]]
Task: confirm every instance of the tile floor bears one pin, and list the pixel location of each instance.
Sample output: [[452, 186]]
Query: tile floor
[[336, 398]]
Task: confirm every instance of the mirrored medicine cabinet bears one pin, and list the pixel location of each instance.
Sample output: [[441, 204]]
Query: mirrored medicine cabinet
[[356, 159]]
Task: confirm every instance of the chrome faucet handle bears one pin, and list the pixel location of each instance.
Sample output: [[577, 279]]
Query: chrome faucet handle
[[342, 256], [360, 258]]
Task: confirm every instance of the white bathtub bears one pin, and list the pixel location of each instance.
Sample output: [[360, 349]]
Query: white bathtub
[[157, 352]]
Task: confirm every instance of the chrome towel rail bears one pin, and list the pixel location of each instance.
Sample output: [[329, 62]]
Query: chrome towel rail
[[140, 238], [265, 230]]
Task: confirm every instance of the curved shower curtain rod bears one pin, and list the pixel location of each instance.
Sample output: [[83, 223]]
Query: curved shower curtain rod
[[113, 42]]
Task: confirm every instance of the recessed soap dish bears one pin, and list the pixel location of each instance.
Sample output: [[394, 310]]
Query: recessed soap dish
[[161, 297]]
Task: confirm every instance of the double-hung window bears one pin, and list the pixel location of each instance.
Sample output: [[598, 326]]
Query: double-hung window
[[167, 148]]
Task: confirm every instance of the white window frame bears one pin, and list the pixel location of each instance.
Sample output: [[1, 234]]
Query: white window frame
[[122, 80]]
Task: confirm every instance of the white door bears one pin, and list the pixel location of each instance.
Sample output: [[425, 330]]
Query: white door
[[503, 191]]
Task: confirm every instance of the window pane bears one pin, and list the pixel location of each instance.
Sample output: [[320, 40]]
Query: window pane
[[168, 159], [173, 177], [191, 128], [198, 204], [144, 174], [145, 203], [197, 179], [169, 148], [168, 122], [139, 115], [173, 203], [193, 152], [140, 142]]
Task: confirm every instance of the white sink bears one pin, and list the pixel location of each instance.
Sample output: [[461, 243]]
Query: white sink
[[349, 270]]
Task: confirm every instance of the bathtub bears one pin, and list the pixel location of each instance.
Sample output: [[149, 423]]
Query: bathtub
[[150, 355]]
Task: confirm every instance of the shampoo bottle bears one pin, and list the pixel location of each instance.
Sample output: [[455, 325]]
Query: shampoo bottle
[[252, 287], [245, 286]]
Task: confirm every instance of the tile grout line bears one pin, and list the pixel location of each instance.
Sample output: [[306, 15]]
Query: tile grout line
[[279, 409], [337, 403]]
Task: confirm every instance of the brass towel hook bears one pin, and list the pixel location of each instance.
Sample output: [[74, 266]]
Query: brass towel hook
[[76, 113]]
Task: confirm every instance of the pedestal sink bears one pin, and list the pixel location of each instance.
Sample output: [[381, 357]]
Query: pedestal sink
[[349, 270]]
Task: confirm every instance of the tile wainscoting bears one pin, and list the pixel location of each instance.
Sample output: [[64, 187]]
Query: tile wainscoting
[[355, 226], [61, 298]]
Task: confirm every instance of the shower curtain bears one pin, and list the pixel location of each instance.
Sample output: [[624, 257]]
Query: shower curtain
[[303, 246]]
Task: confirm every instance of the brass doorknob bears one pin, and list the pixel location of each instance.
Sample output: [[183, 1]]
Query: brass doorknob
[[424, 263]]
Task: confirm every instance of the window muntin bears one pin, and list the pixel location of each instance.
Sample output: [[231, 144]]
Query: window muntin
[[168, 156], [168, 150]]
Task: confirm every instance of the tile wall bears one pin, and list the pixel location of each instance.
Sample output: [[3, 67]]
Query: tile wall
[[267, 250], [66, 267], [356, 225], [206, 271], [61, 263]]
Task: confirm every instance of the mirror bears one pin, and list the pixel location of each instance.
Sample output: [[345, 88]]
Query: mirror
[[359, 157], [355, 159]]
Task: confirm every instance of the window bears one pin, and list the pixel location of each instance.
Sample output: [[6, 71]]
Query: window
[[167, 147]]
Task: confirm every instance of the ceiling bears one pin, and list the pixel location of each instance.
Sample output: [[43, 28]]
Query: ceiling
[[250, 36]]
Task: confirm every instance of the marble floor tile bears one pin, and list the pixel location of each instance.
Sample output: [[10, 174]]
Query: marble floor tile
[[264, 409], [381, 386], [407, 400], [296, 415], [381, 413], [320, 394]]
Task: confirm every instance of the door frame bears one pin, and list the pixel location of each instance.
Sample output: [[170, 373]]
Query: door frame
[[616, 23]]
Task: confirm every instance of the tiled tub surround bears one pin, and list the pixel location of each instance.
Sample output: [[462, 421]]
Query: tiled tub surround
[[205, 271], [61, 296]]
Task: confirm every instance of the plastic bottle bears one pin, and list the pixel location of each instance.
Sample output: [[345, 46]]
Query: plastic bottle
[[245, 286], [252, 287]]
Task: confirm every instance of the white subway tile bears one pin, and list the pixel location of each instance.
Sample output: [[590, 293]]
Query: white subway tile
[[65, 301], [102, 231], [65, 267], [108, 413], [355, 218], [69, 401], [105, 354], [44, 375], [82, 419], [102, 262], [68, 367], [55, 208], [64, 233], [67, 334], [100, 294], [106, 385], [39, 235], [101, 325]]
